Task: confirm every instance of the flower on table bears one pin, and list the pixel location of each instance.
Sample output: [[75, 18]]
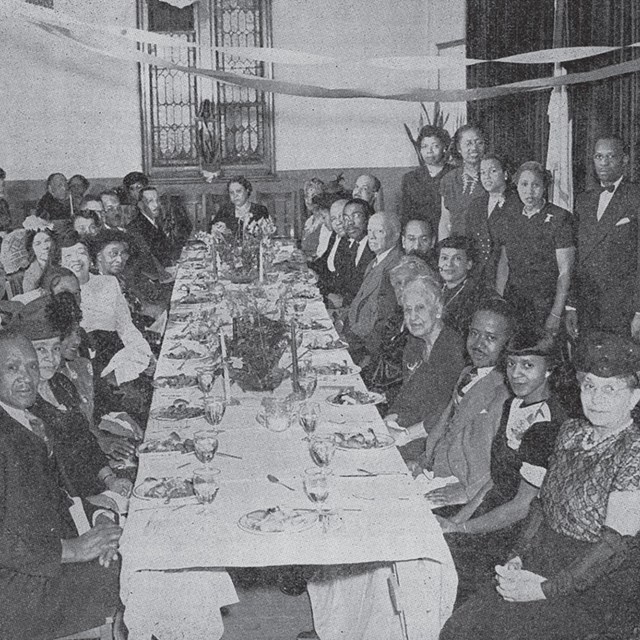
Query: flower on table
[[236, 363]]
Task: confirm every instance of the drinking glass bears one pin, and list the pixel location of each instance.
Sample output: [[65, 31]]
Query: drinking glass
[[277, 414], [206, 484], [206, 378], [205, 445], [316, 486], [321, 451], [308, 381], [308, 416], [214, 408]]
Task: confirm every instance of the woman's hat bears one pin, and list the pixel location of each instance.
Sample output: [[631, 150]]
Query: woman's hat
[[607, 355], [532, 342], [33, 321]]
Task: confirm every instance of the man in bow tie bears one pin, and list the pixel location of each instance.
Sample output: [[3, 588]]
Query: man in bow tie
[[605, 294]]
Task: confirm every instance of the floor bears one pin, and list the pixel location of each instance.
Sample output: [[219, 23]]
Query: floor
[[265, 613]]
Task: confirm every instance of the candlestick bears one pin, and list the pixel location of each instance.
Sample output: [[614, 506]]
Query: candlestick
[[294, 358], [261, 264], [225, 367]]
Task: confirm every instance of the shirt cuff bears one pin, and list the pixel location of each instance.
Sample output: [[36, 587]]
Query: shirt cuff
[[532, 474]]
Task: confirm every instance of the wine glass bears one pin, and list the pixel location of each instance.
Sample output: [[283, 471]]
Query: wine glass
[[321, 451], [205, 445], [206, 484], [316, 486], [308, 416], [214, 408], [206, 378], [308, 381]]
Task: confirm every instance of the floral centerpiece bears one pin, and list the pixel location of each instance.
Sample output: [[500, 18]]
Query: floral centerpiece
[[240, 255], [257, 344]]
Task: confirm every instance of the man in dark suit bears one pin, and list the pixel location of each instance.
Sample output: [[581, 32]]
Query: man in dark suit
[[146, 223], [50, 582], [605, 292], [55, 203], [352, 261], [375, 301]]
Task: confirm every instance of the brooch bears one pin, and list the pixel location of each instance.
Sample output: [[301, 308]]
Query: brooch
[[548, 218]]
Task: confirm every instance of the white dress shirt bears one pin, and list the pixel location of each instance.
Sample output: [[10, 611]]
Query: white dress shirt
[[605, 198], [323, 240], [331, 260], [361, 247], [381, 256]]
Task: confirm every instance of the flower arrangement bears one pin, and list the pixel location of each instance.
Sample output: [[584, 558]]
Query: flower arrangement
[[255, 350], [241, 254]]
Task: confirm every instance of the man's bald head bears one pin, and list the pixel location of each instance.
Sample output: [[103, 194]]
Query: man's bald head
[[366, 188], [19, 370], [383, 231]]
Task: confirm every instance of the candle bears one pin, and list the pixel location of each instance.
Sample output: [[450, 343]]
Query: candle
[[71, 204], [294, 357], [225, 367], [261, 264], [218, 262]]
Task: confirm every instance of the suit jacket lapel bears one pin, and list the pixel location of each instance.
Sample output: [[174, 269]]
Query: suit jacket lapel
[[598, 230]]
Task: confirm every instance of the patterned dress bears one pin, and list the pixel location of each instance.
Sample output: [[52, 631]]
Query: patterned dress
[[582, 474]]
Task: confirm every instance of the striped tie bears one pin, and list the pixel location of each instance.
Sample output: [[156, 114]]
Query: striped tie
[[37, 427], [468, 377]]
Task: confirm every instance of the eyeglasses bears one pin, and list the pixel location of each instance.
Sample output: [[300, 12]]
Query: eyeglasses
[[599, 157], [607, 390]]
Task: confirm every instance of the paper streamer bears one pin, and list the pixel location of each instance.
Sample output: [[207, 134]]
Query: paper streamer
[[412, 94], [284, 56]]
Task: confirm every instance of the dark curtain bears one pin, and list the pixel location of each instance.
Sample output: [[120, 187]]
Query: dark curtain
[[516, 126], [608, 106]]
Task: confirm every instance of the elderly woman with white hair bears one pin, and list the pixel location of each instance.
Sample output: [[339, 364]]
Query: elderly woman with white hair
[[433, 356], [385, 372]]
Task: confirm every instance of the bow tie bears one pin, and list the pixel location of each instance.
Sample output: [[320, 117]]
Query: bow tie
[[610, 188]]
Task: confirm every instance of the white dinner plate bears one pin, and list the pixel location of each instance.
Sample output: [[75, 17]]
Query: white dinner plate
[[293, 522]]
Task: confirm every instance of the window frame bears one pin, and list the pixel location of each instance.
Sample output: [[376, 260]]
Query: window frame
[[188, 172]]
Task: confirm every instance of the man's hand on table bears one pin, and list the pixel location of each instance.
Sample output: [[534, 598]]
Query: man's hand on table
[[100, 542], [116, 447], [451, 494]]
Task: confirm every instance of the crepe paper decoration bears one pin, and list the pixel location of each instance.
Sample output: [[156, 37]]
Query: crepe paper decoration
[[285, 56], [411, 94]]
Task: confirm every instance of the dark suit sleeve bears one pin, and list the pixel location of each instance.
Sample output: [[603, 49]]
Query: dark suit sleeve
[[24, 549], [447, 367], [387, 305]]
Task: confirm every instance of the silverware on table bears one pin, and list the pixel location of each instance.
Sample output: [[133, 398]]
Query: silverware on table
[[275, 480]]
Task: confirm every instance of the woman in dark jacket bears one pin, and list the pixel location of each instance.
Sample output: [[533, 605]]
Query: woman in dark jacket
[[237, 214]]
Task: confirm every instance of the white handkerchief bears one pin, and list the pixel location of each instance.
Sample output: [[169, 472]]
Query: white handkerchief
[[622, 221]]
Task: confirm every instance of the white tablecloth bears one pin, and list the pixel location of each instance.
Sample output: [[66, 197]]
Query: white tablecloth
[[172, 578]]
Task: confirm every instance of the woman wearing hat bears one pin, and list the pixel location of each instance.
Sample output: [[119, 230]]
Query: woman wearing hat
[[85, 467], [576, 568], [485, 529]]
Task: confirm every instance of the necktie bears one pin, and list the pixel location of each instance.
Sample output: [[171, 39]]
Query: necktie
[[465, 380], [610, 188], [37, 427]]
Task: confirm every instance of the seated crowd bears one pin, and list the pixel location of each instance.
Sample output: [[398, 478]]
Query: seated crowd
[[500, 327]]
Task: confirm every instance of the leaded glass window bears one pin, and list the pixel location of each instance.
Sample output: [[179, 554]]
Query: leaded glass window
[[237, 119]]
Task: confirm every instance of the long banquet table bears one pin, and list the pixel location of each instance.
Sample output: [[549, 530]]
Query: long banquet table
[[385, 572]]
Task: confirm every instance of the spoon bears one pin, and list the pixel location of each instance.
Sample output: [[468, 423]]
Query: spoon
[[275, 480]]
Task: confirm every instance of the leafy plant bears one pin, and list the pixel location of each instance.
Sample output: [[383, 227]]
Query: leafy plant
[[439, 120]]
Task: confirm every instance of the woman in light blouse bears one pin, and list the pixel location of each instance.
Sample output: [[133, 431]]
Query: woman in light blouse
[[122, 354]]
